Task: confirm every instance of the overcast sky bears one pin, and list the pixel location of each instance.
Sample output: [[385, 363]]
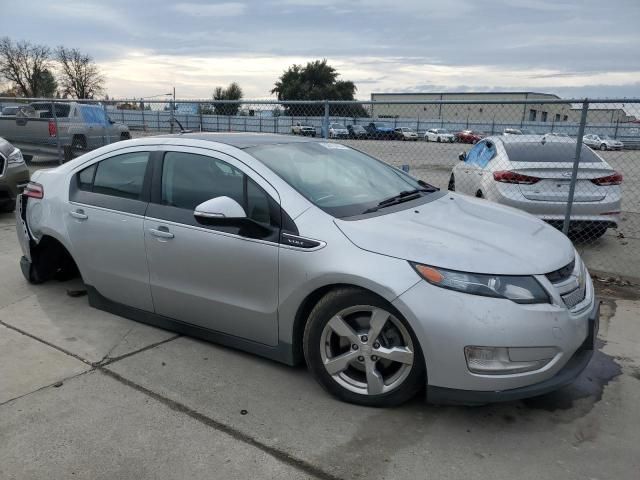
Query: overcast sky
[[568, 47]]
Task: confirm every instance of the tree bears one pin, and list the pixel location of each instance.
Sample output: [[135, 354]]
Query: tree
[[24, 64], [79, 75], [316, 80], [45, 84], [232, 92]]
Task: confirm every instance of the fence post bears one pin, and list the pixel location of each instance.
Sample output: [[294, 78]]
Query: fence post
[[158, 124], [275, 124], [200, 113], [55, 122], [171, 118], [615, 135], [106, 115], [325, 120], [576, 164]]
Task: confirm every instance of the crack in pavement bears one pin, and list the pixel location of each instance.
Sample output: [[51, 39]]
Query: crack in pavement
[[275, 452]]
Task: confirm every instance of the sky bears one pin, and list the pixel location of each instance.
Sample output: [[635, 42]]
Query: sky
[[573, 48]]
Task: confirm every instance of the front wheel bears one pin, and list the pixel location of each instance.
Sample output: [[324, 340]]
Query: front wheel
[[603, 147], [360, 349], [452, 184]]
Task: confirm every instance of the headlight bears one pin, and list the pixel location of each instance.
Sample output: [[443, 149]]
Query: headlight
[[519, 289], [15, 156]]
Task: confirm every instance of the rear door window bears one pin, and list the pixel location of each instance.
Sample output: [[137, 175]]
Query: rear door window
[[119, 176]]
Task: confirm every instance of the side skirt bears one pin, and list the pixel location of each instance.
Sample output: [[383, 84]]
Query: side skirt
[[283, 352]]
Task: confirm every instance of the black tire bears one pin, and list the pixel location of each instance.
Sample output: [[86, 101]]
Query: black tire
[[479, 194], [438, 139], [125, 136], [334, 302], [603, 147], [78, 145], [452, 184]]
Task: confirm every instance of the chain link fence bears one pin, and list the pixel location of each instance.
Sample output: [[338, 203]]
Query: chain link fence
[[573, 163]]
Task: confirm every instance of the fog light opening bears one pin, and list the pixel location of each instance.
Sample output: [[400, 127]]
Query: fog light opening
[[496, 361]]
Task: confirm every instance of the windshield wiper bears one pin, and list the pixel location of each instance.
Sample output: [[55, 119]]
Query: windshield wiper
[[404, 196]]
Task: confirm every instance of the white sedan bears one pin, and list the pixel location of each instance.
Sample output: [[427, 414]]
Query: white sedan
[[533, 173], [602, 142], [439, 135]]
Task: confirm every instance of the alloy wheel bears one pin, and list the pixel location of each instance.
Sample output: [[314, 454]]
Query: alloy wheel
[[366, 350]]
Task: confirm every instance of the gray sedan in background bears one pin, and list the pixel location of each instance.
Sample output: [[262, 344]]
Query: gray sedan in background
[[302, 250], [533, 173]]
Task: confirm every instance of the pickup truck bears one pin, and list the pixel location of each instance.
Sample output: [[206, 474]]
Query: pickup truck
[[305, 130], [78, 127]]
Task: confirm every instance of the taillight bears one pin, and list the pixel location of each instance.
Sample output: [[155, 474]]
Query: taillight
[[506, 176], [53, 130], [34, 190], [614, 179]]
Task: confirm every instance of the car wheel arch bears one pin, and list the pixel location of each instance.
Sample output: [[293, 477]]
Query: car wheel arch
[[53, 256], [307, 305]]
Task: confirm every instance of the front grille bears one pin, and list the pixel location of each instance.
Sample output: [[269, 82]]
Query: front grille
[[575, 297], [562, 274]]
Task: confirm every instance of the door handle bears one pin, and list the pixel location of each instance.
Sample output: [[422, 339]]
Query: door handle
[[79, 214], [161, 232]]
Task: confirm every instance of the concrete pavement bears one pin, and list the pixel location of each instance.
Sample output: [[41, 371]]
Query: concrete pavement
[[86, 394]]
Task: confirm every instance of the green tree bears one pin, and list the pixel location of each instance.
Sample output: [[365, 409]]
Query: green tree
[[24, 65], [232, 92], [316, 80], [44, 84]]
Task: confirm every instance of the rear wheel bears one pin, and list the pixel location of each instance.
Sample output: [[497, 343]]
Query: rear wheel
[[78, 145], [438, 139], [479, 194], [361, 350]]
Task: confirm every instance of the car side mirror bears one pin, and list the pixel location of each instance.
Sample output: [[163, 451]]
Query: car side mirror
[[462, 156], [219, 210]]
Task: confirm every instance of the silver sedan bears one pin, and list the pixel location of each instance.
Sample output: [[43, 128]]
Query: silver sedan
[[533, 173], [302, 250]]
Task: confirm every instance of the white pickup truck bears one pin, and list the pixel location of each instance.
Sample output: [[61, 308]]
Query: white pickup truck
[[305, 130], [75, 125]]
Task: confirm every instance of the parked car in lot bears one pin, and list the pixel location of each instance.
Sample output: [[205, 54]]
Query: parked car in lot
[[14, 175], [439, 135], [380, 131], [357, 131], [512, 131], [81, 126], [338, 130], [602, 142], [406, 133], [469, 136], [534, 175], [280, 246], [306, 130]]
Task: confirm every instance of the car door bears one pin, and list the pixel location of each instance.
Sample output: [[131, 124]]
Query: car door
[[467, 172], [105, 218], [222, 277]]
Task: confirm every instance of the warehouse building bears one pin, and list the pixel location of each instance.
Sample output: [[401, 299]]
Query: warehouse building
[[517, 114]]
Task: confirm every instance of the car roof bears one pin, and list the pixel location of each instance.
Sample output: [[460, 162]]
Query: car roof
[[243, 140]]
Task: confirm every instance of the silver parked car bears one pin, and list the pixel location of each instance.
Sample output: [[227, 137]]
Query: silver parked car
[[298, 249], [602, 142], [533, 173]]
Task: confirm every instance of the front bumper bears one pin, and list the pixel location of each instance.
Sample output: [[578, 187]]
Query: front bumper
[[445, 322], [565, 376]]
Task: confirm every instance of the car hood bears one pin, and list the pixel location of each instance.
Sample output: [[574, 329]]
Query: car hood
[[464, 233]]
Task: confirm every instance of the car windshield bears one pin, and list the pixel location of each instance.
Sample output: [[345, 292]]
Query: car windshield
[[381, 125], [340, 180], [550, 152], [605, 137], [338, 126], [442, 130]]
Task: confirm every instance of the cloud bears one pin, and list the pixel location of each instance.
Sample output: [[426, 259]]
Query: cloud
[[225, 9]]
